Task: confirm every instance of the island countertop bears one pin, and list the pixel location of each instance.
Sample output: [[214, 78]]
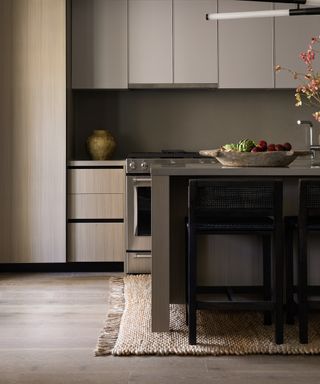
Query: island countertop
[[167, 196], [297, 168]]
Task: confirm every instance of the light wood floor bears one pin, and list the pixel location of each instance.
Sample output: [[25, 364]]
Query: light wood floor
[[49, 324]]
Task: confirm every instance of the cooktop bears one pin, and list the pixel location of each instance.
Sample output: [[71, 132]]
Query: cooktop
[[164, 154]]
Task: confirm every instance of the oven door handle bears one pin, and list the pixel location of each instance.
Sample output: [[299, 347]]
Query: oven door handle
[[143, 182]]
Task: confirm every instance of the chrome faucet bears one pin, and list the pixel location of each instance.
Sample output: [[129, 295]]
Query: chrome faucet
[[314, 147], [309, 123]]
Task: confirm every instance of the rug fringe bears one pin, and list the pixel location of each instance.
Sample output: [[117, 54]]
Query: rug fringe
[[109, 333]]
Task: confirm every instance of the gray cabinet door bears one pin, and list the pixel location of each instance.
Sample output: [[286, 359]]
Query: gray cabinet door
[[245, 47], [99, 44], [150, 41], [195, 42], [292, 36]]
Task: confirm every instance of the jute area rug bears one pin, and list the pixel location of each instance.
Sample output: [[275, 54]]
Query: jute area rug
[[128, 328]]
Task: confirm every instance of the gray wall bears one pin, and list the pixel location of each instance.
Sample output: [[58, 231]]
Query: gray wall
[[151, 120]]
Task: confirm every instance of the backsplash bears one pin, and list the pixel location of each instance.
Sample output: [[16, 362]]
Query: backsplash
[[151, 120]]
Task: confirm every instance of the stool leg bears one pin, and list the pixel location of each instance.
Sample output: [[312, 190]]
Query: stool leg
[[302, 285], [192, 276], [266, 247], [278, 265], [186, 270], [289, 274]]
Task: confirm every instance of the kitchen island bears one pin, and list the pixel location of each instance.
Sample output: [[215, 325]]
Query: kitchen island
[[169, 208]]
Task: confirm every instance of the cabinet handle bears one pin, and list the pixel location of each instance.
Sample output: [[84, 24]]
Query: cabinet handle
[[142, 256]]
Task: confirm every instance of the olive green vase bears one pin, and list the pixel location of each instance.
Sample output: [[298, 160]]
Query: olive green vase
[[101, 145]]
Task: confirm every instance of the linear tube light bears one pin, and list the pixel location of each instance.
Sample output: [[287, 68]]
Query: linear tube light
[[298, 2], [270, 13]]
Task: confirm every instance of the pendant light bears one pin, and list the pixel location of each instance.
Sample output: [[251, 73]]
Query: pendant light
[[271, 13]]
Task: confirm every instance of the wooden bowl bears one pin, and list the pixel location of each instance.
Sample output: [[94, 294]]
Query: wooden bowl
[[254, 159]]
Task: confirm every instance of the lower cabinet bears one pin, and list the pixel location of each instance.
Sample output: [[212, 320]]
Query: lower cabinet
[[96, 242], [138, 262], [96, 206], [96, 218]]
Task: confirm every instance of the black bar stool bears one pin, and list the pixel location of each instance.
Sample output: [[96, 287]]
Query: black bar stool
[[308, 220], [234, 206]]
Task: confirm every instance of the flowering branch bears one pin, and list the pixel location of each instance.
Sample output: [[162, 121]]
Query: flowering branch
[[310, 88]]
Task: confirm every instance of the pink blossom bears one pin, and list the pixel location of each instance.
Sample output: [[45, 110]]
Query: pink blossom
[[316, 115], [314, 85], [308, 91], [308, 56]]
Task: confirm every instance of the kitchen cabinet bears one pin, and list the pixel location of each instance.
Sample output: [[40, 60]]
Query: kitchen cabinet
[[194, 42], [96, 201], [292, 36], [96, 242], [33, 131], [170, 42], [150, 41], [245, 47], [138, 263], [99, 44]]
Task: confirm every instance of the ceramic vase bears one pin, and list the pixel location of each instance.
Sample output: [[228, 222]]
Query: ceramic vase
[[101, 145]]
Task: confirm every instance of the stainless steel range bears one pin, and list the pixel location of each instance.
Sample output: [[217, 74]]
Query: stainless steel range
[[138, 204]]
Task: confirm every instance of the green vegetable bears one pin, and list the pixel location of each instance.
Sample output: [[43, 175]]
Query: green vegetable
[[230, 147], [244, 145]]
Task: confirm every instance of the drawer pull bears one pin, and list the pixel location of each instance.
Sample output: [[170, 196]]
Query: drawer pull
[[142, 256]]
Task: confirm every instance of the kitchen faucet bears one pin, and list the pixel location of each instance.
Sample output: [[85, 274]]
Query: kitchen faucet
[[309, 123], [314, 147]]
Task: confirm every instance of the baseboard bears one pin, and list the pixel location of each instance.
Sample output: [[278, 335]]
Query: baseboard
[[62, 267]]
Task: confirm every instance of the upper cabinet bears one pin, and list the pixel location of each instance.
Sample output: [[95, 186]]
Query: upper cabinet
[[292, 36], [150, 41], [170, 42], [245, 47], [194, 42], [99, 44]]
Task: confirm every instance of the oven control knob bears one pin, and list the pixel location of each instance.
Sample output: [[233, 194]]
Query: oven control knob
[[144, 165], [132, 165]]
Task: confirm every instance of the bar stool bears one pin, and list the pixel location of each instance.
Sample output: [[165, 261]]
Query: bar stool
[[308, 220], [234, 206]]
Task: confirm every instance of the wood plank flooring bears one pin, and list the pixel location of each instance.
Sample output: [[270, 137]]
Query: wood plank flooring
[[49, 324]]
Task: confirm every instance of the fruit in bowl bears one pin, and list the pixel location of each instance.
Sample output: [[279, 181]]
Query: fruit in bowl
[[248, 145], [247, 153]]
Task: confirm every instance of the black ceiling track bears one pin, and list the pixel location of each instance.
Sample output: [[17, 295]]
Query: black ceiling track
[[304, 11], [294, 12], [299, 2]]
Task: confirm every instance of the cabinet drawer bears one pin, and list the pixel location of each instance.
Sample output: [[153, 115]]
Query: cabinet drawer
[[96, 206], [96, 181], [138, 263], [96, 242]]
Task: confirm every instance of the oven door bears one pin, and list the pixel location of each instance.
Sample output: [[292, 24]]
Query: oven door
[[138, 213]]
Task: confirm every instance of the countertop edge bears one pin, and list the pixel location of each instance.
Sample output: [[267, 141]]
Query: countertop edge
[[217, 170], [96, 163]]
